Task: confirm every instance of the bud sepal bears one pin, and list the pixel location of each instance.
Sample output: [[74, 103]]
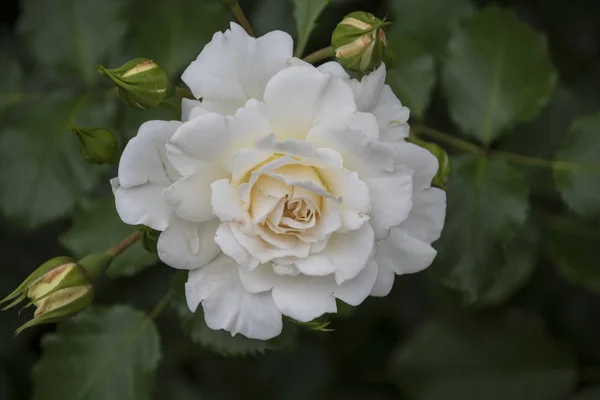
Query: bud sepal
[[140, 82]]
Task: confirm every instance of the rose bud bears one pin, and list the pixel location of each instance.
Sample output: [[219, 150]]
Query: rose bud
[[59, 288], [140, 82], [98, 145], [359, 41]]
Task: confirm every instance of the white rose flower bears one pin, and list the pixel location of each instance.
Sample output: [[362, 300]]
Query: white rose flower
[[287, 187]]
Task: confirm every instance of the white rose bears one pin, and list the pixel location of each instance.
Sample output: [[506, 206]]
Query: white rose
[[287, 187]]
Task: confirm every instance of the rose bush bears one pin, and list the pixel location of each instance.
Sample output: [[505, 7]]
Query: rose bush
[[284, 188]]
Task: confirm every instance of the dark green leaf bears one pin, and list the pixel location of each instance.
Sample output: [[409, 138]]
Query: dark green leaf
[[11, 83], [497, 72], [412, 75], [429, 21], [519, 264], [577, 171], [98, 228], [102, 354], [487, 207], [588, 394], [262, 20], [221, 341], [509, 357], [572, 245], [174, 32], [306, 13], [72, 35], [42, 173]]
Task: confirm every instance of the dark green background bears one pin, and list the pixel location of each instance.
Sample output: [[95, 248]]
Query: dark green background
[[540, 342]]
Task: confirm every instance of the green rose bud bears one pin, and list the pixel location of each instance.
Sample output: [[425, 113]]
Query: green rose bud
[[442, 177], [359, 41], [140, 82], [59, 288], [98, 145]]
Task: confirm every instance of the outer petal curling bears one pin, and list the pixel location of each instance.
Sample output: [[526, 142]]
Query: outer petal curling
[[227, 305]]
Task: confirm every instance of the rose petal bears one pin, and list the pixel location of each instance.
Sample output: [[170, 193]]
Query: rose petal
[[188, 245], [234, 67], [227, 305], [299, 98]]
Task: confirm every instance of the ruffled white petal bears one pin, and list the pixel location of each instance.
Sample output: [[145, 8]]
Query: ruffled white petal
[[423, 164], [366, 156], [235, 67], [305, 298], [144, 160], [188, 106], [298, 98], [374, 96], [188, 245], [408, 248], [190, 196], [227, 305], [141, 205], [391, 200], [200, 143], [384, 282]]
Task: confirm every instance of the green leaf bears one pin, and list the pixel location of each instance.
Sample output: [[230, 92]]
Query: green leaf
[[497, 72], [577, 171], [173, 33], [306, 13], [11, 83], [262, 20], [412, 76], [42, 173], [592, 393], [221, 341], [506, 357], [572, 245], [98, 228], [487, 207], [519, 264], [72, 35], [429, 21], [106, 353]]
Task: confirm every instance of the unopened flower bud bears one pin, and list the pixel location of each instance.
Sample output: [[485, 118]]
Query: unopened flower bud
[[359, 41], [59, 288], [140, 82], [98, 145]]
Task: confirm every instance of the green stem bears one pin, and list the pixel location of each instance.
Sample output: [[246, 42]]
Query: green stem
[[241, 17], [320, 55], [525, 160], [161, 305], [124, 244], [463, 145], [458, 144]]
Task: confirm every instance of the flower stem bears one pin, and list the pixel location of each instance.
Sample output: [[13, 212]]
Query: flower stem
[[161, 305], [468, 147], [241, 17], [319, 55], [457, 143], [124, 244]]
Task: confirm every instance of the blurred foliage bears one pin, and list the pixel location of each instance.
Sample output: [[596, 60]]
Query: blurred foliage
[[509, 310]]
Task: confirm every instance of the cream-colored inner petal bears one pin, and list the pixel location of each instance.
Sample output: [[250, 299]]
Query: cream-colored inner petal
[[284, 207]]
